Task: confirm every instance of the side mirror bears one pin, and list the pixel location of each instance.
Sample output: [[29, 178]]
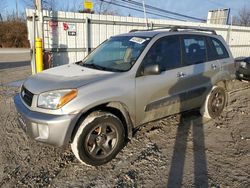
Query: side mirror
[[151, 70]]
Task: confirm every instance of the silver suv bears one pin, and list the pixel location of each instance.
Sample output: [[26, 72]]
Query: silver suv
[[129, 80]]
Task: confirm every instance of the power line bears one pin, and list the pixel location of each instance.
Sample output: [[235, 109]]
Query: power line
[[157, 12], [150, 11], [164, 11], [139, 10]]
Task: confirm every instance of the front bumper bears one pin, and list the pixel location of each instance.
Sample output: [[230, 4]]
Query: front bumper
[[51, 129]]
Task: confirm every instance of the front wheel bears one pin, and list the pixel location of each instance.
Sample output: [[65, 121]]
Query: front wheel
[[214, 103], [98, 139]]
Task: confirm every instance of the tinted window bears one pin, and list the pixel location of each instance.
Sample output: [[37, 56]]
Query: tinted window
[[194, 50], [216, 50], [165, 52], [211, 51]]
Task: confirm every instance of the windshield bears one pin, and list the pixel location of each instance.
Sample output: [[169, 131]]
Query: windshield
[[117, 54]]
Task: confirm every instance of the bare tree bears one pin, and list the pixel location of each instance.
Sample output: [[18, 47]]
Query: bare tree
[[50, 4], [3, 5], [54, 5], [47, 4], [102, 7], [29, 3], [72, 6], [243, 18]]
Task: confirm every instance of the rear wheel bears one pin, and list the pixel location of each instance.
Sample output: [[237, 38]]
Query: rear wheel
[[98, 139], [215, 102]]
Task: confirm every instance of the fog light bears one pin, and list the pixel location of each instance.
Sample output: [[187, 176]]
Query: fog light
[[43, 131]]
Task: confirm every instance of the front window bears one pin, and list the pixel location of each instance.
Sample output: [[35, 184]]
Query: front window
[[165, 52], [118, 54]]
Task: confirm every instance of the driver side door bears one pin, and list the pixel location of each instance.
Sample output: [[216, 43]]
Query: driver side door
[[156, 95]]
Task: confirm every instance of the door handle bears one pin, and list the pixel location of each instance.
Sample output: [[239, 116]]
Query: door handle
[[181, 75], [214, 66]]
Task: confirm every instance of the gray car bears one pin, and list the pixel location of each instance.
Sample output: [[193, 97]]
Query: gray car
[[129, 80]]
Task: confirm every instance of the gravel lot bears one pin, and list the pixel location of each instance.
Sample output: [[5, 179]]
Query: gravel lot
[[181, 150]]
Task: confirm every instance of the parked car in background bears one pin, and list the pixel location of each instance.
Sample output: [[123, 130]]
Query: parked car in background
[[243, 70], [129, 80]]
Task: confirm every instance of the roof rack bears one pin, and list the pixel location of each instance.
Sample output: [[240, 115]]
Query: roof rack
[[176, 29], [135, 30]]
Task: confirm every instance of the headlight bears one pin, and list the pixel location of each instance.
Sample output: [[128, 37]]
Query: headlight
[[56, 99], [243, 64]]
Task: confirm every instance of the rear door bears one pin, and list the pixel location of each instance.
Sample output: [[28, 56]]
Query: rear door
[[194, 61], [218, 54]]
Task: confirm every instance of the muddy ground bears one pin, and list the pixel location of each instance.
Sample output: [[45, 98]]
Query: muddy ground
[[182, 150]]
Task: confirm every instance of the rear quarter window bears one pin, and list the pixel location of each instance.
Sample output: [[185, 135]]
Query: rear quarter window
[[216, 50]]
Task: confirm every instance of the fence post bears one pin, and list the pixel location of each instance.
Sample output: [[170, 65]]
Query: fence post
[[33, 59], [87, 34], [39, 55]]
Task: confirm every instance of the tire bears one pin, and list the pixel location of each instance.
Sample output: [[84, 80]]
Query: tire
[[99, 138], [215, 102]]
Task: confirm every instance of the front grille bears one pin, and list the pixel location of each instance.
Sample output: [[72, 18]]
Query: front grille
[[27, 96]]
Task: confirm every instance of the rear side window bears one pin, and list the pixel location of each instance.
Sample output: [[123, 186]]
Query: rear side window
[[216, 50], [165, 52], [194, 49]]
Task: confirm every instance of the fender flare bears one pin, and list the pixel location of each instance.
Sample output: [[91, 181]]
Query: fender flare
[[118, 106], [125, 112]]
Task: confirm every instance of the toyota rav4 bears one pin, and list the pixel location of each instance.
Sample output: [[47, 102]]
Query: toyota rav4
[[129, 80]]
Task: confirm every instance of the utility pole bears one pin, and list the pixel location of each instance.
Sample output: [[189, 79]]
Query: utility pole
[[38, 5], [145, 15], [37, 46], [16, 9], [39, 13]]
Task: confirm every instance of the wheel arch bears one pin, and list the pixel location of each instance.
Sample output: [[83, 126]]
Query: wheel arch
[[117, 108], [222, 79]]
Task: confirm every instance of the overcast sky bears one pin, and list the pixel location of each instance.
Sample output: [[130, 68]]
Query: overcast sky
[[196, 8]]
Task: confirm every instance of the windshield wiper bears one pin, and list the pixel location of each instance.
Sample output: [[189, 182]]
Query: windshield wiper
[[95, 66]]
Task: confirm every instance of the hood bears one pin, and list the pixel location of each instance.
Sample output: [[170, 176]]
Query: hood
[[64, 77]]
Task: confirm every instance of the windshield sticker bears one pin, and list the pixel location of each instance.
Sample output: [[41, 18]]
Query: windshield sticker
[[137, 40]]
